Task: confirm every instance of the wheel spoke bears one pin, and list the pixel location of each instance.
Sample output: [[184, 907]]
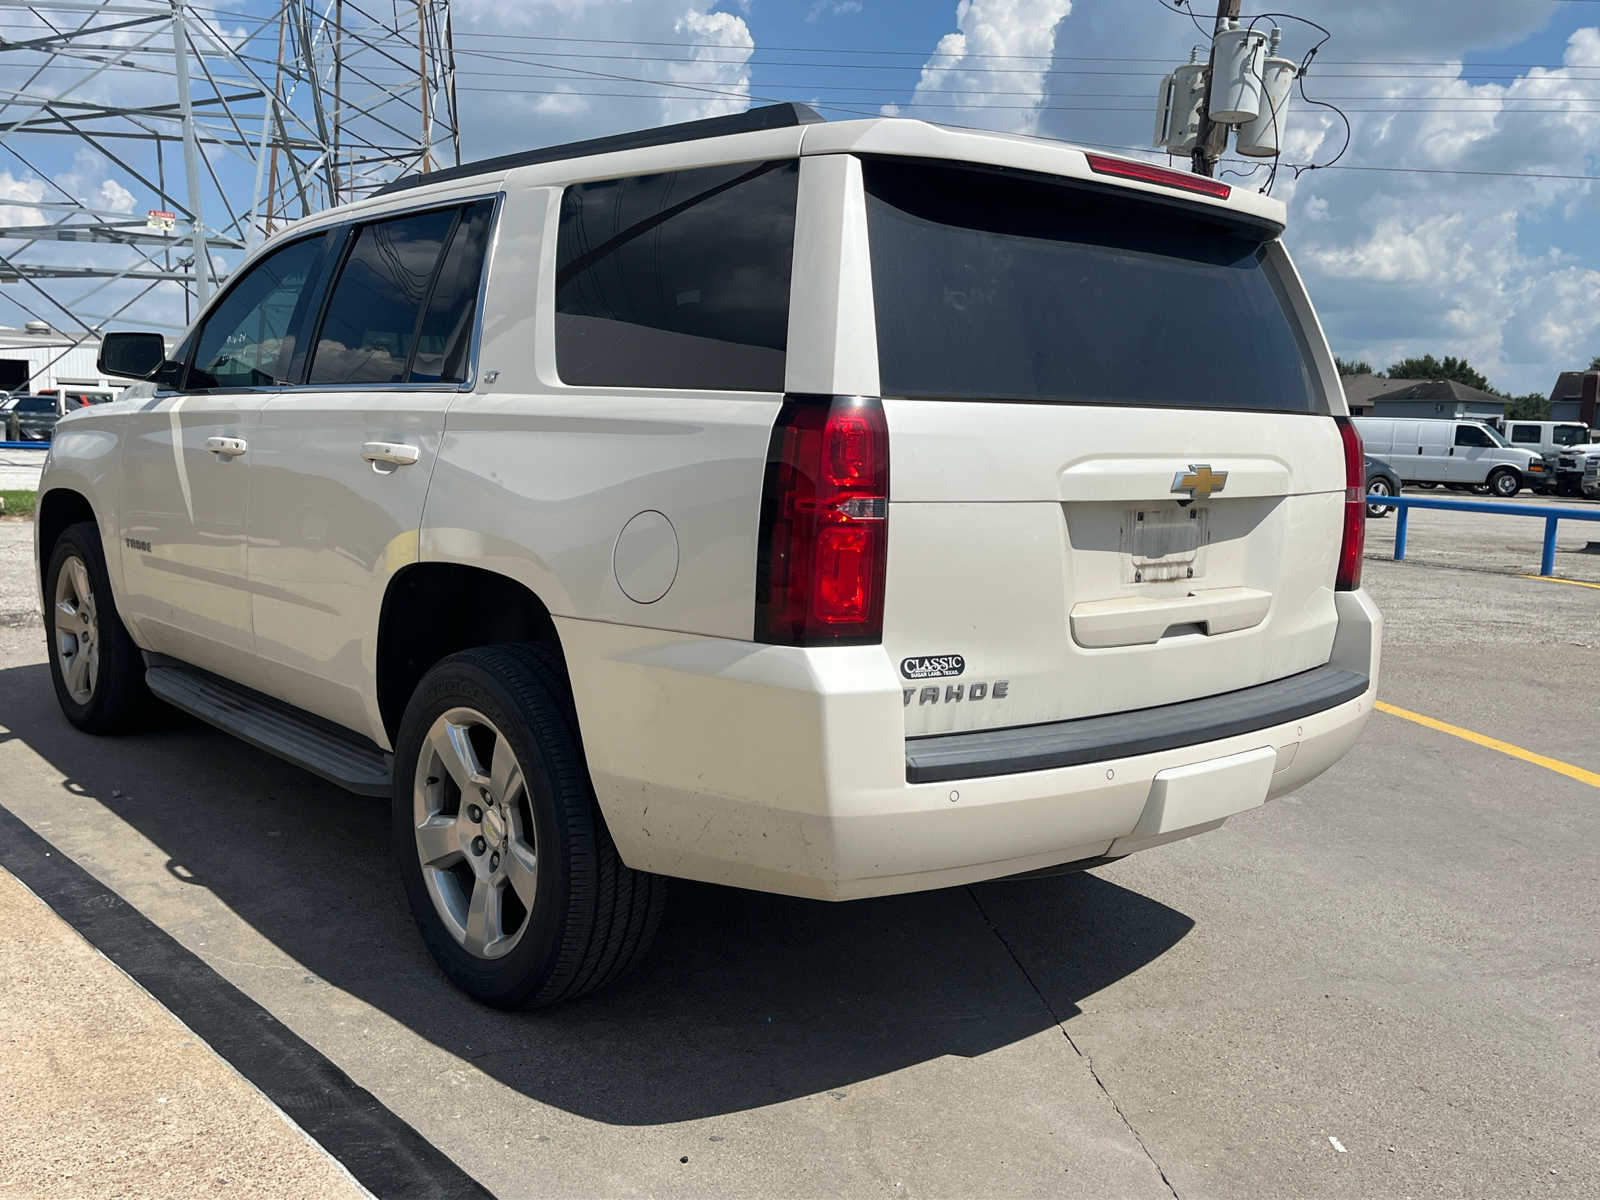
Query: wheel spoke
[[77, 672], [80, 582], [483, 918], [522, 871], [93, 654], [454, 748], [505, 776], [438, 841], [67, 612]]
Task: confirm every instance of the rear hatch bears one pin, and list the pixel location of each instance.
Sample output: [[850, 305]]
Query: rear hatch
[[1116, 482]]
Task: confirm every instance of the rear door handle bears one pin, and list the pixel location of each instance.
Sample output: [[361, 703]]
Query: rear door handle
[[394, 453], [226, 447]]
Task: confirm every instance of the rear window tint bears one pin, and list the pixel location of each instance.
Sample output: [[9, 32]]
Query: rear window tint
[[1003, 285], [677, 280]]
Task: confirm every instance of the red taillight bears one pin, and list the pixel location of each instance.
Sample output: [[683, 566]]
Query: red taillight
[[1355, 508], [1160, 176], [824, 524]]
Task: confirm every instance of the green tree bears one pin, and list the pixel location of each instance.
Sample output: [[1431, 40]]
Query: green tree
[[1358, 367], [1535, 406], [1595, 365], [1429, 367]]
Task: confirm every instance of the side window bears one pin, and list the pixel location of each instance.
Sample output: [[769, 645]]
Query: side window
[[446, 331], [1471, 435], [370, 325], [248, 339], [1524, 433], [677, 280]]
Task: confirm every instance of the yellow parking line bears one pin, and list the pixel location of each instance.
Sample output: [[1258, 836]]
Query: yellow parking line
[[1558, 579], [1592, 778]]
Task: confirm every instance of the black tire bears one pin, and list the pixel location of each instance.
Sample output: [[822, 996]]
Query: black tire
[[1379, 485], [592, 918], [118, 701], [1504, 482], [1428, 486]]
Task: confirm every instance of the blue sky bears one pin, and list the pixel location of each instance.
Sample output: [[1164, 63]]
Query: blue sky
[[1501, 268]]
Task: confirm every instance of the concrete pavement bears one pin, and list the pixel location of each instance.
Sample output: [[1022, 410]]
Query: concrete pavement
[[1383, 986], [107, 1094]]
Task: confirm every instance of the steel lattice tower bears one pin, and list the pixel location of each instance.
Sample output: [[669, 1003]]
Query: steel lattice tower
[[233, 121]]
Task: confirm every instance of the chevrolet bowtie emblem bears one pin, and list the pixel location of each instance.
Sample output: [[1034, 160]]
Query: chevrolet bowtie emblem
[[1199, 481]]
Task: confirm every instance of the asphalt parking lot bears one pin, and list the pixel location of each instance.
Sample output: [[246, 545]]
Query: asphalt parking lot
[[1386, 985]]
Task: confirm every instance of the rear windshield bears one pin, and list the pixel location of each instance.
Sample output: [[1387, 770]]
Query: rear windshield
[[1571, 435], [1003, 285]]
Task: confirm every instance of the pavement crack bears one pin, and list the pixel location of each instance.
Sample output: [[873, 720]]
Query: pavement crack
[[1061, 1025]]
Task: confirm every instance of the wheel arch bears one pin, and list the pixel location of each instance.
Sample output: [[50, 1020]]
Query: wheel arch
[[59, 509], [434, 609]]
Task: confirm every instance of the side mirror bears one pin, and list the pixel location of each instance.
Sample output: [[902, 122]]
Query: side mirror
[[131, 355]]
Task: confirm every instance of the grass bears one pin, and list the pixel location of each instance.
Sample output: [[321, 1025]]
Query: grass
[[19, 503]]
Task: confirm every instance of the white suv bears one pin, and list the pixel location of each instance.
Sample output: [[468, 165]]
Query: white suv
[[834, 509]]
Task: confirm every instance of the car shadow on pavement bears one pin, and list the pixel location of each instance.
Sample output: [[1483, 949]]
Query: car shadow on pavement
[[747, 1000]]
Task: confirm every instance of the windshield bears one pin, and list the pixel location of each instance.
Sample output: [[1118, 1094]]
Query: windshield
[[1570, 435], [1005, 285], [1498, 438]]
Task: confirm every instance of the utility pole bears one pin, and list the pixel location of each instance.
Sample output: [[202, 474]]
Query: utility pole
[[1213, 138]]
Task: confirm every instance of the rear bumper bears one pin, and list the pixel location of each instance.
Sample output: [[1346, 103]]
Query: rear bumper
[[785, 769]]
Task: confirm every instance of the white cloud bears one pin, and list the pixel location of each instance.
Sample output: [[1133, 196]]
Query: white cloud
[[18, 195], [113, 197], [722, 72], [955, 74], [832, 8], [714, 80]]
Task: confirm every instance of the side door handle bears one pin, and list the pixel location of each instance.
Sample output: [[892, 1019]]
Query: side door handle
[[226, 447], [396, 454]]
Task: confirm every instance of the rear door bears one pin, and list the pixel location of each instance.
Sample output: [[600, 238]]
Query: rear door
[[341, 463], [1434, 446], [1403, 456], [1116, 481]]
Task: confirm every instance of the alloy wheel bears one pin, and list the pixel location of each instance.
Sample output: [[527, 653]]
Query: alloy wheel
[[475, 833], [77, 630]]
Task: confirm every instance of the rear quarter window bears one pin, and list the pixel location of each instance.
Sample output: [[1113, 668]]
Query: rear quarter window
[[677, 280], [1007, 285]]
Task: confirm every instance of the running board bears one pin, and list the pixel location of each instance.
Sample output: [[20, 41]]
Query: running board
[[337, 755]]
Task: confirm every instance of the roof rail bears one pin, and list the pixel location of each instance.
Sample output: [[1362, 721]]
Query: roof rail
[[769, 116]]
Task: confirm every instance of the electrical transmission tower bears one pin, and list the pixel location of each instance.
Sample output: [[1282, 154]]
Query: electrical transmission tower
[[148, 142]]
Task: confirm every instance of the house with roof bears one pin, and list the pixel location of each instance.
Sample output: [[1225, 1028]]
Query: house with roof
[[1419, 399], [1575, 397]]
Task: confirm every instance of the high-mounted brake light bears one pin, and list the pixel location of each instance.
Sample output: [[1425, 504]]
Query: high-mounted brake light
[[1160, 176], [824, 524], [1355, 508]]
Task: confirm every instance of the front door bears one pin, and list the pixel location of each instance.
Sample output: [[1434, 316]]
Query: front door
[[341, 465], [1472, 455], [187, 470]]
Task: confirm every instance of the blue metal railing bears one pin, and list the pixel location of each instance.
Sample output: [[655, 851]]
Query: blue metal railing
[[24, 445], [1551, 514]]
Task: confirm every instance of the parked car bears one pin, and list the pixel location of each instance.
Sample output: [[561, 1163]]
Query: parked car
[[31, 419], [731, 501], [1550, 439], [1457, 453], [1381, 481], [1582, 463]]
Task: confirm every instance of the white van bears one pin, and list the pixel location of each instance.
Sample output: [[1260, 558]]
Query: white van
[[1551, 439], [1458, 454], [833, 509]]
